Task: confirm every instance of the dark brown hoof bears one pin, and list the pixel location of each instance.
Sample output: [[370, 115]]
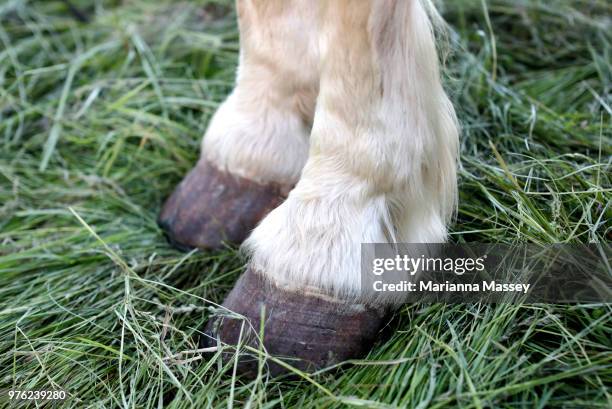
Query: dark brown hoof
[[211, 206], [308, 332]]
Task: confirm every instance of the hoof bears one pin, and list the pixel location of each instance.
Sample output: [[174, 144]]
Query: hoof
[[211, 206], [308, 332]]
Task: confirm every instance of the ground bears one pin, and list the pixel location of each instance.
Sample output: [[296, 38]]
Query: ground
[[100, 119]]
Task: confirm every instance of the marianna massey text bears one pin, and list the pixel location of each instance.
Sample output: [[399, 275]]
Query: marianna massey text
[[430, 286]]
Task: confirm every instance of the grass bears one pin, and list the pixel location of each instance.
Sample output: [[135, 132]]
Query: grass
[[99, 120]]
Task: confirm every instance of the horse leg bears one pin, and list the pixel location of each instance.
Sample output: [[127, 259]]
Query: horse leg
[[381, 168], [257, 142]]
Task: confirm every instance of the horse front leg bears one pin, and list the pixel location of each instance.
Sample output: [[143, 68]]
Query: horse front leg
[[381, 169], [257, 142]]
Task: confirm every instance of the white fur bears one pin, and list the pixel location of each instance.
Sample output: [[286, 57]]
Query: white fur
[[382, 153], [261, 131]]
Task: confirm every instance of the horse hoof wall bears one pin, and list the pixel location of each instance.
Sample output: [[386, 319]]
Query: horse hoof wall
[[306, 331], [211, 206]]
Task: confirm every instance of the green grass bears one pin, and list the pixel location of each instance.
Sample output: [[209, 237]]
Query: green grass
[[99, 121]]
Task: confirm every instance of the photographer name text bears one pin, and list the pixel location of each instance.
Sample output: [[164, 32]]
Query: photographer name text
[[431, 286]]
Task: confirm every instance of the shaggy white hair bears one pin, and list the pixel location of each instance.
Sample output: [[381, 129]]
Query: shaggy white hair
[[380, 163], [262, 130]]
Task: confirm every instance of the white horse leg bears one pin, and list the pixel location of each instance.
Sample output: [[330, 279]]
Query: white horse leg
[[381, 169], [257, 141]]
